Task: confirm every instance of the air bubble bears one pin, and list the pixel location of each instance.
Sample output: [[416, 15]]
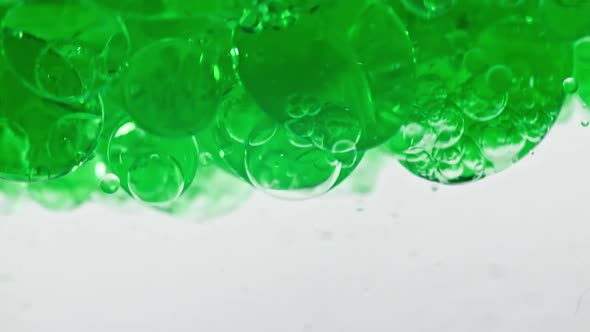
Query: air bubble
[[570, 85], [110, 184]]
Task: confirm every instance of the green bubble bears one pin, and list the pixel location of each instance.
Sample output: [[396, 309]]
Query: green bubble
[[143, 172], [491, 86], [352, 64], [63, 49], [43, 139], [570, 85], [110, 184], [153, 170], [173, 98], [281, 169], [285, 96]]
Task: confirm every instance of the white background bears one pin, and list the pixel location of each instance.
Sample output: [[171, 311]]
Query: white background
[[509, 253]]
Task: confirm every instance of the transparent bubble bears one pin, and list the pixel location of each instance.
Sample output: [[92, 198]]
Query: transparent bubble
[[262, 134], [409, 137], [155, 179], [502, 143], [332, 124], [152, 169], [287, 171], [473, 161], [346, 153], [420, 162], [238, 116], [299, 106], [447, 123], [110, 184], [534, 123], [479, 100]]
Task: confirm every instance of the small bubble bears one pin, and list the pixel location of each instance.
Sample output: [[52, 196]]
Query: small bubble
[[435, 188], [110, 183], [585, 124], [205, 159], [570, 85]]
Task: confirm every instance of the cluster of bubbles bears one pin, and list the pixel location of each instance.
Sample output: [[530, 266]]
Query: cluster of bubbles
[[146, 97]]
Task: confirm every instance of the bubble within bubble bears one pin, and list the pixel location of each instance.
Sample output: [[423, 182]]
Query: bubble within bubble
[[152, 169], [287, 171], [570, 85], [502, 143], [346, 69], [479, 100], [62, 41], [176, 95], [155, 179], [110, 184]]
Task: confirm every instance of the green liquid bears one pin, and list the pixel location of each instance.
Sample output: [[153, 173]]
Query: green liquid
[[157, 97]]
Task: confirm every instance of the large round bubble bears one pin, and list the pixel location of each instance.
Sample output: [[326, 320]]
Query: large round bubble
[[153, 170], [344, 69]]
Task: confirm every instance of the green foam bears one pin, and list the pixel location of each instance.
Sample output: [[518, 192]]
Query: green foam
[[154, 100]]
